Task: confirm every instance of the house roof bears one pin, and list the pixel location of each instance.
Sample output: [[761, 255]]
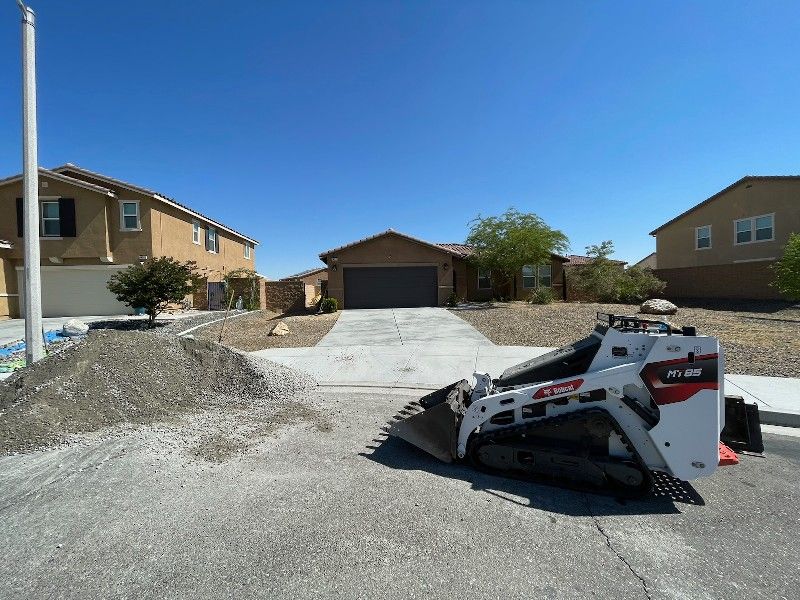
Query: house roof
[[645, 259], [61, 177], [727, 189], [72, 168], [577, 259], [389, 232], [463, 249], [305, 273]]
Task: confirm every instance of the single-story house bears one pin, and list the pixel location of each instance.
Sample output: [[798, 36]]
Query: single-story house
[[724, 246], [313, 277], [648, 262], [392, 269]]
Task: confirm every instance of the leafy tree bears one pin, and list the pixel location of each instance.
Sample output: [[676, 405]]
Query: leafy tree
[[505, 244], [607, 280], [787, 269], [153, 284]]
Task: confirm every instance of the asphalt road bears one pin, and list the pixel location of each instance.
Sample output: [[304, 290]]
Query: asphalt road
[[349, 514]]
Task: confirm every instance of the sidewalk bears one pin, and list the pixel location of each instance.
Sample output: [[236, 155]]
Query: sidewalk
[[429, 367]]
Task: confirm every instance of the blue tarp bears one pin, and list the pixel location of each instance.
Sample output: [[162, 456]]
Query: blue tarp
[[49, 338]]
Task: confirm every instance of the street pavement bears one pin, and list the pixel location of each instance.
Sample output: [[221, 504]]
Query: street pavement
[[349, 513]]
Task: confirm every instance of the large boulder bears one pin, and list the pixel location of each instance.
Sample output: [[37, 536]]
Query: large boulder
[[658, 306], [74, 327], [280, 329]]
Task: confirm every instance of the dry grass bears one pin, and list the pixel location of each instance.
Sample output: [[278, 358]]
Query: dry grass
[[251, 332], [759, 338]]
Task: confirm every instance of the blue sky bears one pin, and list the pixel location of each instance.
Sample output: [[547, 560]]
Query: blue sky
[[308, 125]]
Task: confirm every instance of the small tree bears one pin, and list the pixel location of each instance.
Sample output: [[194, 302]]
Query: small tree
[[787, 269], [607, 280], [505, 244], [153, 284]]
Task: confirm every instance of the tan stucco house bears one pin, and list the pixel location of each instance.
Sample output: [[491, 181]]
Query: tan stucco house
[[392, 269], [311, 277], [91, 226], [724, 246]]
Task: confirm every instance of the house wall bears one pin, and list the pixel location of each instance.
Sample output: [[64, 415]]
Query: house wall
[[467, 277], [312, 278], [390, 250], [9, 296], [675, 243]]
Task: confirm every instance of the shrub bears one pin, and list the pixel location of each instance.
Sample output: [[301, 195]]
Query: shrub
[[604, 280], [452, 300], [329, 305], [787, 269], [542, 295], [153, 284]]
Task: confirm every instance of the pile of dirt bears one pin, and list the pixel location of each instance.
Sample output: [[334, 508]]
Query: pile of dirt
[[136, 377]]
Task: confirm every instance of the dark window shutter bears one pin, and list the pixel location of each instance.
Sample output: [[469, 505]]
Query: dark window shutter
[[20, 218], [66, 212]]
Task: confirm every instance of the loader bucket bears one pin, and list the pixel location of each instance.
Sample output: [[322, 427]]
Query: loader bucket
[[435, 428]]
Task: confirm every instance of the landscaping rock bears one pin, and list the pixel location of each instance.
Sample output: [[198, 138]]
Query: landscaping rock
[[74, 327], [280, 329], [658, 307]]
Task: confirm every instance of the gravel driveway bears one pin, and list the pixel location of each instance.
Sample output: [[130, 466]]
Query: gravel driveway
[[758, 338]]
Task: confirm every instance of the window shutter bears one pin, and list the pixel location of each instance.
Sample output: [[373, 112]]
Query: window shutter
[[208, 238], [20, 217], [66, 208]]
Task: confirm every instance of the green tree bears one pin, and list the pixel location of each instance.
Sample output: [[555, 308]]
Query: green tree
[[505, 244], [153, 284], [787, 269]]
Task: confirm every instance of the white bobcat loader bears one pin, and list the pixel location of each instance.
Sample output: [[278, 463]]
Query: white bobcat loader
[[599, 415]]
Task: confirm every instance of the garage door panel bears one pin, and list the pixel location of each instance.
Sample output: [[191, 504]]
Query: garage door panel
[[78, 292], [390, 287]]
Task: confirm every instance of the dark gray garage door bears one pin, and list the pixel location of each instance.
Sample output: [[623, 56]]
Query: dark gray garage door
[[390, 287]]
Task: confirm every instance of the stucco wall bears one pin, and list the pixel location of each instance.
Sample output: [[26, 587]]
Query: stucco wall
[[675, 244], [390, 250]]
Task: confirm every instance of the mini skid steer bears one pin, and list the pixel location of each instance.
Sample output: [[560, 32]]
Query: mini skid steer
[[600, 415]]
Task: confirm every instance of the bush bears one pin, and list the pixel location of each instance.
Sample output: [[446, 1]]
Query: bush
[[787, 269], [329, 305], [153, 284], [604, 280], [542, 295], [452, 300]]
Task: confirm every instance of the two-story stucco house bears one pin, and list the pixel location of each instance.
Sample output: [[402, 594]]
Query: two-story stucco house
[[724, 246], [91, 226]]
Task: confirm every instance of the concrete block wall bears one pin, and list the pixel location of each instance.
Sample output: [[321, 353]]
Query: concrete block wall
[[284, 296], [749, 280]]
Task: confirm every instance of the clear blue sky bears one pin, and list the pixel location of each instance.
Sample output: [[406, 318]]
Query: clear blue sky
[[310, 124]]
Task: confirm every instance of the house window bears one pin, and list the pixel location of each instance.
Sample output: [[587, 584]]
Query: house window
[[702, 237], [545, 276], [196, 232], [51, 219], [247, 250], [129, 215], [212, 242], [754, 229], [484, 280], [528, 276]]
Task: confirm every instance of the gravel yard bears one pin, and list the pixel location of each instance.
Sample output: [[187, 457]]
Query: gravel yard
[[758, 338], [252, 332]]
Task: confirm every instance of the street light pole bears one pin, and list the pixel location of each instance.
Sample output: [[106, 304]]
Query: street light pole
[[34, 349]]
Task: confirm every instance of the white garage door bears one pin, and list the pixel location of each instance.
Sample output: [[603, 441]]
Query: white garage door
[[74, 292]]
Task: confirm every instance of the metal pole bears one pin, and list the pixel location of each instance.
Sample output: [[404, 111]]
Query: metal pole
[[34, 349]]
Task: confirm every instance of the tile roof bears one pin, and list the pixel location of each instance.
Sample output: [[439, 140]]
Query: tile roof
[[462, 249], [381, 234], [70, 167], [577, 259], [305, 273], [61, 177], [727, 189]]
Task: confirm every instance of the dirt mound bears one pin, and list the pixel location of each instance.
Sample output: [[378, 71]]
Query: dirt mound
[[134, 377]]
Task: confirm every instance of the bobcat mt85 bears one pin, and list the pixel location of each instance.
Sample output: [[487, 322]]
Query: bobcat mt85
[[599, 415]]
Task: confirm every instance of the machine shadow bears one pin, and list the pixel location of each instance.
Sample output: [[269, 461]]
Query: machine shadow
[[668, 492]]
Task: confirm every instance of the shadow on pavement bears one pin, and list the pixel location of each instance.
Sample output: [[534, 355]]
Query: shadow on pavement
[[398, 454]]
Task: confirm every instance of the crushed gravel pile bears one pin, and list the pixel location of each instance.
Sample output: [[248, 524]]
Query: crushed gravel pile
[[116, 377]]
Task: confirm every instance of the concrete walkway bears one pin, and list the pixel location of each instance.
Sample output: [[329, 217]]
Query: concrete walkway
[[402, 327]]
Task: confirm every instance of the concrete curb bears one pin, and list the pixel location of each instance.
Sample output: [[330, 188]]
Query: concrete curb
[[784, 418]]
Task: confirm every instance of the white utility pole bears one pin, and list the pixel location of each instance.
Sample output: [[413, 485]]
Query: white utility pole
[[34, 349]]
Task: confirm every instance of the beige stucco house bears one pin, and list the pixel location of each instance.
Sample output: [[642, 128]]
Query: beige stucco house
[[91, 226], [724, 246], [392, 269]]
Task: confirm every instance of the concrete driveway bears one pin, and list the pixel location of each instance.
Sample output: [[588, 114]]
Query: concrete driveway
[[402, 327]]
